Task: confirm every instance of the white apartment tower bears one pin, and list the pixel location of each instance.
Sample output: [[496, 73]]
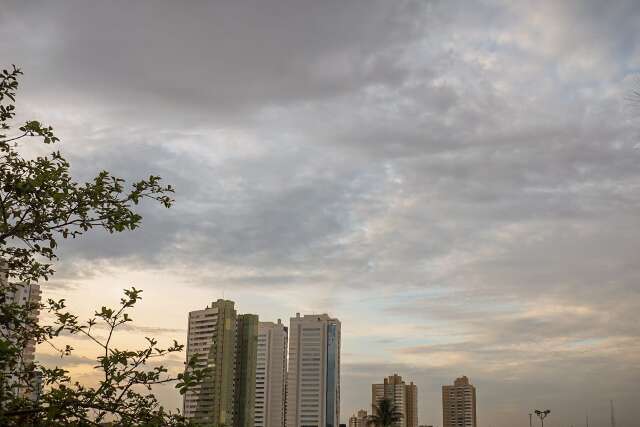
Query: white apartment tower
[[22, 295], [313, 379], [271, 375]]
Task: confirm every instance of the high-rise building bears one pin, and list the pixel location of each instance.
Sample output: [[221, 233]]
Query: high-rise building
[[313, 378], [245, 372], [271, 375], [27, 296], [404, 397], [23, 295], [412, 405], [359, 419], [459, 404], [226, 343]]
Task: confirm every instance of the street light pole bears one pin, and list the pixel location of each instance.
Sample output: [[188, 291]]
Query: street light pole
[[542, 415]]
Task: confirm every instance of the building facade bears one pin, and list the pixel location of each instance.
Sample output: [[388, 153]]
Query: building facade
[[313, 377], [411, 408], [226, 343], [403, 396], [271, 375], [23, 295], [23, 381], [245, 369], [359, 419], [459, 404]]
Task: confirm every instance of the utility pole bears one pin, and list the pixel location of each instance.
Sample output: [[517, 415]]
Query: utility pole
[[587, 420], [530, 422]]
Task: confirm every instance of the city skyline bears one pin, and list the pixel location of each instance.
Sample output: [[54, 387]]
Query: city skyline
[[254, 379], [457, 182]]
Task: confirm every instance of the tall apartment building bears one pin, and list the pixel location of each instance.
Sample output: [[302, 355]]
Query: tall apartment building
[[412, 405], [22, 295], [359, 419], [313, 378], [403, 396], [245, 373], [459, 404], [226, 343], [271, 375]]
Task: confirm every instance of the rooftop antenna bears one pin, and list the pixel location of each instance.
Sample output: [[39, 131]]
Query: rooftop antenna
[[613, 417]]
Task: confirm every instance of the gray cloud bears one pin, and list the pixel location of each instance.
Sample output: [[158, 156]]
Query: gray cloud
[[214, 56]]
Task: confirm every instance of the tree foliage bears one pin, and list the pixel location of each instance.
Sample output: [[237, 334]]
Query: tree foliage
[[40, 204], [385, 414]]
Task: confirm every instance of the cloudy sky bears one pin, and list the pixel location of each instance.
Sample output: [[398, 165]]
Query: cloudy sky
[[458, 182]]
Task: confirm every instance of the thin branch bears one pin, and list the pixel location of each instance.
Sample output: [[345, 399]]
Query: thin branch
[[4, 141]]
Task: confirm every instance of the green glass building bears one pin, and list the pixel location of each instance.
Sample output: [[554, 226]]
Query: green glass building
[[245, 372], [225, 343]]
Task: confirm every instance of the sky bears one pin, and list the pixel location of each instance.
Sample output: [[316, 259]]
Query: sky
[[457, 181]]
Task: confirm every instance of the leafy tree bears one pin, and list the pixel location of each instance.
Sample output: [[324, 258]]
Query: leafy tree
[[385, 414], [40, 203]]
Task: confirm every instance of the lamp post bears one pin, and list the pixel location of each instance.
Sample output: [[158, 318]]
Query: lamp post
[[542, 415]]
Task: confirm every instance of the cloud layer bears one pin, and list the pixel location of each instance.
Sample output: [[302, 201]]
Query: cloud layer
[[458, 182]]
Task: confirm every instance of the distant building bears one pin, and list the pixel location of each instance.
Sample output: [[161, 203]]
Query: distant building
[[28, 296], [271, 375], [403, 396], [412, 405], [360, 419], [313, 378], [459, 404], [225, 342]]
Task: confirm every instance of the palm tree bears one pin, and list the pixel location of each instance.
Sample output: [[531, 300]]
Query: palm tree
[[385, 414]]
